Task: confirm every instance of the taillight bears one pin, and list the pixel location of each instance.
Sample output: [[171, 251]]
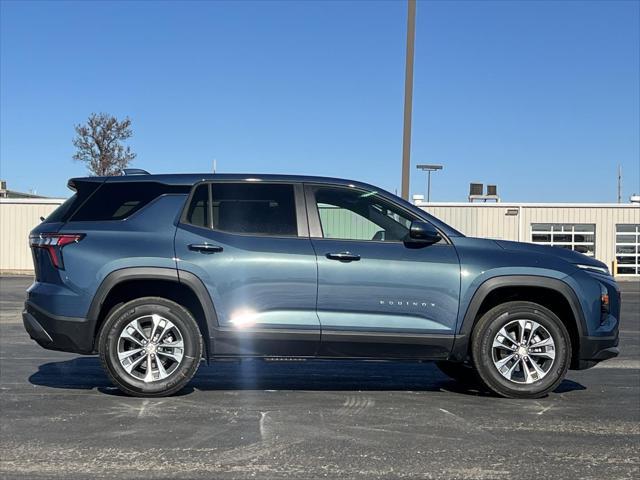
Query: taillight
[[53, 243]]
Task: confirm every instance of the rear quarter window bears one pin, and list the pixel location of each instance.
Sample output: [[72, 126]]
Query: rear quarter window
[[120, 200]]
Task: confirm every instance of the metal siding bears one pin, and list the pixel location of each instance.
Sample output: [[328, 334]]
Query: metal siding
[[17, 219], [488, 222]]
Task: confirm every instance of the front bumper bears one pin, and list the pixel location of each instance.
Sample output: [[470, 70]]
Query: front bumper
[[599, 336], [55, 332], [593, 350]]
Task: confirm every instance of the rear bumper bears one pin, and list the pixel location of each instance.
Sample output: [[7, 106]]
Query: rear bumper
[[68, 334]]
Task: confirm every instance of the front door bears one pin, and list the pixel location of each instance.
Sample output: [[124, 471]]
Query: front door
[[379, 296], [248, 243]]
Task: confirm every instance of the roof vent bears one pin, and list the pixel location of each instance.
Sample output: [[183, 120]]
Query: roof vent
[[476, 192], [476, 189]]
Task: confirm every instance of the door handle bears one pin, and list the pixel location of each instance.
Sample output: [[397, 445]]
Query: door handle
[[343, 256], [205, 248]]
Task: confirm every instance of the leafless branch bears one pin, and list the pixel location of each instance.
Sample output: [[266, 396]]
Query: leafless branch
[[99, 144]]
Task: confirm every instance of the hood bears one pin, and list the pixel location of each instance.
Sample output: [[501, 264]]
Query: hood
[[563, 253]]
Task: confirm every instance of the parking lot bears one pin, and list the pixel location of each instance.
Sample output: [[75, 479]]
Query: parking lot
[[60, 418]]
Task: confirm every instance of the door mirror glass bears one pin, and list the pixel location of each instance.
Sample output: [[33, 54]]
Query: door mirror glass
[[423, 232]]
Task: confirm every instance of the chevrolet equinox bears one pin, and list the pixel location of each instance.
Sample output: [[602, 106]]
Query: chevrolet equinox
[[156, 272]]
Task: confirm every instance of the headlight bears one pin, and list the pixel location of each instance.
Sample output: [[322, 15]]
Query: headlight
[[593, 268], [604, 301]]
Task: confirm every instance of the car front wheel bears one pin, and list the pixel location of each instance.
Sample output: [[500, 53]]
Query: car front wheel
[[150, 347], [521, 350]]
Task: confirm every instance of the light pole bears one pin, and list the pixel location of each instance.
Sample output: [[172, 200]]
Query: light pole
[[428, 168]]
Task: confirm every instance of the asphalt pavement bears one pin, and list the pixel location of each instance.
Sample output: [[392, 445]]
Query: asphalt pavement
[[61, 418]]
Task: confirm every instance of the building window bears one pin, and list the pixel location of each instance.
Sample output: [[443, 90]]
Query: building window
[[580, 237], [628, 249]]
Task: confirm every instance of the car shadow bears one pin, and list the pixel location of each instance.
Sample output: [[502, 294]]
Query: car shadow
[[86, 373]]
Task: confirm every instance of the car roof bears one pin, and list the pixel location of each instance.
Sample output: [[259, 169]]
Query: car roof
[[192, 178]]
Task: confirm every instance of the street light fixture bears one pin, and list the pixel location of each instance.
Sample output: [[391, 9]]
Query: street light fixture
[[428, 168]]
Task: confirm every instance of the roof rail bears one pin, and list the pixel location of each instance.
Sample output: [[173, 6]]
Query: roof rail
[[135, 171]]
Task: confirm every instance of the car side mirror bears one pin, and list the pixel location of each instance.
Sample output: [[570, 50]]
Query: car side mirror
[[424, 233]]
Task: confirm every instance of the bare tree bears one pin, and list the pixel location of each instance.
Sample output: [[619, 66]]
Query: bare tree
[[99, 144]]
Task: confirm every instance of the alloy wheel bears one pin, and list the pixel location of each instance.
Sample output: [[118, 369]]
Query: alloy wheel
[[523, 351], [150, 348]]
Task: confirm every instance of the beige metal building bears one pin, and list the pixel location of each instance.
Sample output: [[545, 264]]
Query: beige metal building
[[17, 217], [608, 231]]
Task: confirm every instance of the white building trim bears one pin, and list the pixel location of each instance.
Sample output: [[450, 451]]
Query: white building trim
[[33, 201]]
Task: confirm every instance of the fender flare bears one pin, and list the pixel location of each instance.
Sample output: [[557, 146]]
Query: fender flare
[[463, 337], [156, 273]]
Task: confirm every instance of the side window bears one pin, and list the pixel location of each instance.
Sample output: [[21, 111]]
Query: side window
[[245, 208], [198, 211], [360, 215]]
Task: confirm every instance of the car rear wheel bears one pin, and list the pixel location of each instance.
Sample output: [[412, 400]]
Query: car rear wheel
[[150, 347], [521, 350]]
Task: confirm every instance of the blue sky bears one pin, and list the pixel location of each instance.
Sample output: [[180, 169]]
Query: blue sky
[[540, 97]]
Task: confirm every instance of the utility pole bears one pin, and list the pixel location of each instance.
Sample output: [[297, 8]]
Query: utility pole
[[619, 183], [408, 97]]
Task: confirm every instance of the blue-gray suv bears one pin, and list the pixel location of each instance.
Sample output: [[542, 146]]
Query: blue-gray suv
[[156, 272]]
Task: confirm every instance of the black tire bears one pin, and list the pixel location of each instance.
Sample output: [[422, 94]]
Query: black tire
[[116, 322], [461, 372], [482, 340]]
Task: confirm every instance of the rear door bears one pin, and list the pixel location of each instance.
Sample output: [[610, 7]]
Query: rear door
[[248, 242], [379, 295]]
